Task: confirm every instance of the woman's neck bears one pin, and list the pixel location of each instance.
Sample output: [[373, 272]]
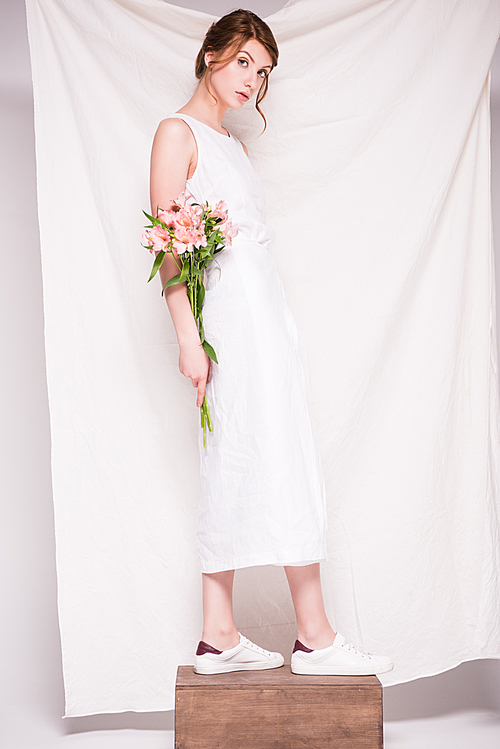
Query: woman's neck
[[202, 107]]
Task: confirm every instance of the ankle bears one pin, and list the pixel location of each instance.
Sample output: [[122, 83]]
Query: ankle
[[221, 638], [316, 639]]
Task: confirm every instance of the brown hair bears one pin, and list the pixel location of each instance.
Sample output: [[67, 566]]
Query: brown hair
[[229, 34]]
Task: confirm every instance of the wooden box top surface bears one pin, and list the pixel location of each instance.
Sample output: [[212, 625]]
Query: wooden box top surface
[[274, 677]]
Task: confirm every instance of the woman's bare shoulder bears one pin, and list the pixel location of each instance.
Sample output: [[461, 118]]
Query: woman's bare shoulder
[[174, 154], [174, 142], [174, 129]]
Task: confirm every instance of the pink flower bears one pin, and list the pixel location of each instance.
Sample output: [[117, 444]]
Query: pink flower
[[183, 219], [181, 248], [228, 230], [157, 237], [188, 237], [197, 213], [232, 230], [220, 210], [182, 212], [168, 217], [181, 201], [146, 241]]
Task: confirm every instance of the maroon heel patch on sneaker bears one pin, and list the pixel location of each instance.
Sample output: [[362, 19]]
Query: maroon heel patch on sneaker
[[298, 646], [204, 647]]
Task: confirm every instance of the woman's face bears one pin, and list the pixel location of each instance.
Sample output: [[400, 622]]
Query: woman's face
[[234, 83]]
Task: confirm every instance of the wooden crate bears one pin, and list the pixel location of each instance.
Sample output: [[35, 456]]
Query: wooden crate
[[276, 709]]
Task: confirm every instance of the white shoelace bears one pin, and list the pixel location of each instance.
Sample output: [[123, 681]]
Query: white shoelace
[[357, 650], [255, 647]]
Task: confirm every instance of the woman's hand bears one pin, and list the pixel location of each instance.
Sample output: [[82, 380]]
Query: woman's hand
[[195, 364]]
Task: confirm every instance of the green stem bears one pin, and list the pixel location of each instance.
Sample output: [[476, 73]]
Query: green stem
[[205, 420], [194, 284], [209, 420], [176, 260]]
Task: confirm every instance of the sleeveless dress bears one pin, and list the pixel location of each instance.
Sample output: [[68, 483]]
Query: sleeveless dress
[[262, 488]]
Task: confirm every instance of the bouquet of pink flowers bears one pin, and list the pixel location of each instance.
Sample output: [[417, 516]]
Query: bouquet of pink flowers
[[193, 234]]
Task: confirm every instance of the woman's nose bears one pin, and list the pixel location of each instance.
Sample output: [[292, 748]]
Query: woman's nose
[[251, 81]]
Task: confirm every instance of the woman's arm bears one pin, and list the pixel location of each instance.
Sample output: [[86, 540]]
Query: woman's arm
[[173, 159]]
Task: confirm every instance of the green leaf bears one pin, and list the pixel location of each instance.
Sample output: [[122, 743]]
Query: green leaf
[[210, 352], [201, 296], [201, 329], [157, 263], [151, 218], [172, 281], [185, 270]]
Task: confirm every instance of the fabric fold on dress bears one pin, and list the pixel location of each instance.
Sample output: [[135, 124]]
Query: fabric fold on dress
[[262, 497]]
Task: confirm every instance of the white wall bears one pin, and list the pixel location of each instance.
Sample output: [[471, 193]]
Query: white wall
[[31, 690]]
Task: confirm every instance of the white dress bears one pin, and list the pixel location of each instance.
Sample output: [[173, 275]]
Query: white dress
[[262, 488]]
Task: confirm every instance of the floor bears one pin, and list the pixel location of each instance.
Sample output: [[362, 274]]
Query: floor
[[463, 730]]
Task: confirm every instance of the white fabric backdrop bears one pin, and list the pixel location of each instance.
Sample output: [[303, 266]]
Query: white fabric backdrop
[[376, 167]]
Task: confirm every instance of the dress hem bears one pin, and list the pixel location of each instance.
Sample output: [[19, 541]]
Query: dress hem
[[289, 559]]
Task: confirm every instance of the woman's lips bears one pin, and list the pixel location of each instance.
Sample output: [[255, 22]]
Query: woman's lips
[[242, 95]]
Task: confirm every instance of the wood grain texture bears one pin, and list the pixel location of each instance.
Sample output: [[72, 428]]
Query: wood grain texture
[[276, 709]]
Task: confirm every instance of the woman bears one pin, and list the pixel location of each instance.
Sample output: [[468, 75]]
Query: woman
[[263, 497]]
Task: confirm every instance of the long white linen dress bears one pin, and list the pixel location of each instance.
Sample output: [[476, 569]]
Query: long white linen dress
[[262, 488]]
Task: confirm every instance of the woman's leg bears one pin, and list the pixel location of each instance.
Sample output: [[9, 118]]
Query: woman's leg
[[219, 629], [313, 628]]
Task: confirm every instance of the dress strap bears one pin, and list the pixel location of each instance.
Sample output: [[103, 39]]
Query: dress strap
[[188, 120]]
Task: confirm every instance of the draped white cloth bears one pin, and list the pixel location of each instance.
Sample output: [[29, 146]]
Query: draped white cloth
[[376, 168]]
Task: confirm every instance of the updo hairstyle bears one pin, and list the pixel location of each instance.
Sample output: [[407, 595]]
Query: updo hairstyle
[[226, 37]]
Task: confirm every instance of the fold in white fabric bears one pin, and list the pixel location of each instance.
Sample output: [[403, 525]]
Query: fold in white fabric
[[376, 169]]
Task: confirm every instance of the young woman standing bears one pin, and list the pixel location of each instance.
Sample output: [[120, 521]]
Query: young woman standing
[[262, 489]]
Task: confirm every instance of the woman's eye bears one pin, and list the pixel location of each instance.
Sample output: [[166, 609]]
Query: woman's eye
[[262, 73], [242, 60]]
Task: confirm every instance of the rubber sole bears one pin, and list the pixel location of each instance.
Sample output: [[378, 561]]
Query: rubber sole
[[325, 671], [226, 668]]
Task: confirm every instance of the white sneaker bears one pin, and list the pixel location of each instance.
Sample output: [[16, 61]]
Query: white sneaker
[[246, 656], [340, 659]]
